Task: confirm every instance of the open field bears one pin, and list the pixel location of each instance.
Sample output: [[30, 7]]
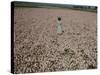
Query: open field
[[38, 48]]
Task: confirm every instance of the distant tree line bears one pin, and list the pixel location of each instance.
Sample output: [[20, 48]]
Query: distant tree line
[[85, 7], [49, 5]]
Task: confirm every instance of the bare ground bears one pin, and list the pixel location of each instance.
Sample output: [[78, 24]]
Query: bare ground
[[38, 48]]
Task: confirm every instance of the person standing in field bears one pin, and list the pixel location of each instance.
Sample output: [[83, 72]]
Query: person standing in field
[[59, 26]]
